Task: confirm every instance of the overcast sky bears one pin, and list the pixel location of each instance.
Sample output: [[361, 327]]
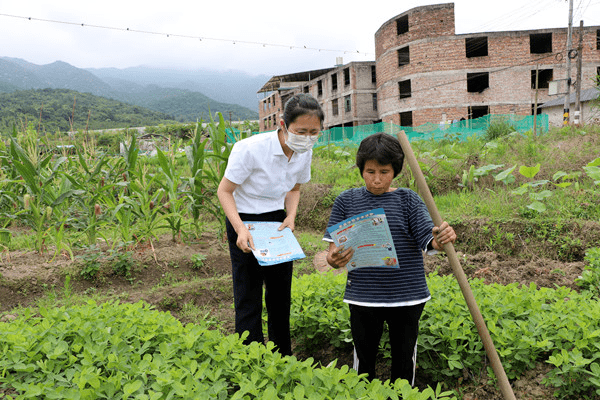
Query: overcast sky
[[258, 37]]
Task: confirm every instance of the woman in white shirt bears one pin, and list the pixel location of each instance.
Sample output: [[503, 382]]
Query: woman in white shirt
[[262, 183]]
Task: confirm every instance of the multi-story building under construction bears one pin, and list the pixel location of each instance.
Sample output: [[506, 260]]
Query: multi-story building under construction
[[424, 72]]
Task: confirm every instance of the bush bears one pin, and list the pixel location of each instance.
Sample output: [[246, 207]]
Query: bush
[[498, 129]]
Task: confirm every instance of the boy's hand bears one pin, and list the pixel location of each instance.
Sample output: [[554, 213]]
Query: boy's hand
[[443, 234], [338, 257]]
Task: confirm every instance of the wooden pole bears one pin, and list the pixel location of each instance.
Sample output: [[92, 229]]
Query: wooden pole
[[535, 107], [425, 193], [578, 75]]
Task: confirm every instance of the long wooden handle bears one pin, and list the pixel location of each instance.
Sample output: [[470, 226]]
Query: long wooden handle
[[488, 344]]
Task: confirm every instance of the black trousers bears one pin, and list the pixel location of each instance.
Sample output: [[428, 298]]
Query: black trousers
[[248, 280], [366, 324]]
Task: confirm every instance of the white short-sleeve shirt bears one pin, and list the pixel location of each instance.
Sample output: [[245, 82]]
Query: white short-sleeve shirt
[[263, 173]]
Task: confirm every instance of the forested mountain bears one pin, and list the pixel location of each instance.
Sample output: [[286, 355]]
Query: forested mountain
[[184, 100], [51, 110], [223, 86]]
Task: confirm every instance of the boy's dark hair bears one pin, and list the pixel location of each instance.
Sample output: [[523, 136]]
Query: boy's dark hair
[[383, 148], [301, 104]]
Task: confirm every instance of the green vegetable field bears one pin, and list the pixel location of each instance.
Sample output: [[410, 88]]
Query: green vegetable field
[[115, 277]]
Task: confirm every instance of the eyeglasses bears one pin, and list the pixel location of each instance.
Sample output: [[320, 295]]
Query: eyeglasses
[[311, 132]]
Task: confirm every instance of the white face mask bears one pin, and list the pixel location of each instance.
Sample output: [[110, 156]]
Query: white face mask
[[300, 143]]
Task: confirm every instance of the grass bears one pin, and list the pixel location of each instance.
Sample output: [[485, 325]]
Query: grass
[[443, 163]]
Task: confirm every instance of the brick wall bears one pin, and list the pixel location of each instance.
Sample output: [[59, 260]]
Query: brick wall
[[438, 67]]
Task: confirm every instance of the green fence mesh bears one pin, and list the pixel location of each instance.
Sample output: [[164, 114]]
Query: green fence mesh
[[458, 130]]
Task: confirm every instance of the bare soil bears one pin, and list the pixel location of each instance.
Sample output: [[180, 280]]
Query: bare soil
[[164, 276]]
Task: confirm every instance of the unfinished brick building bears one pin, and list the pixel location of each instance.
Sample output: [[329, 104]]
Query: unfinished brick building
[[424, 72]]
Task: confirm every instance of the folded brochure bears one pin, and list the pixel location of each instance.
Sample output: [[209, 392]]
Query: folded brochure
[[370, 237], [273, 246]]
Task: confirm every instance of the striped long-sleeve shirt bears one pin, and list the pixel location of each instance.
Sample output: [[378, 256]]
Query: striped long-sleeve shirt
[[410, 226]]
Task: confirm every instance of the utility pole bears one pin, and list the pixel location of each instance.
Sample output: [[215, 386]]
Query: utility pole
[[578, 113], [569, 45]]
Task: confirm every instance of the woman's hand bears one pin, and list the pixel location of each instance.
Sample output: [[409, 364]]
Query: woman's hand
[[244, 240], [288, 222], [443, 234], [338, 257]]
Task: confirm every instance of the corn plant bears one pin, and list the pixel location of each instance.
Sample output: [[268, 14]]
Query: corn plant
[[174, 210], [43, 192], [91, 181], [144, 205], [206, 175], [195, 190], [122, 213]]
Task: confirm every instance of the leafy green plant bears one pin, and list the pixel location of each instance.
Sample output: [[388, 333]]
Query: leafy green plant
[[470, 177], [130, 351], [592, 169], [537, 197], [498, 129], [198, 260], [528, 325], [590, 277], [89, 262], [506, 176], [121, 261]]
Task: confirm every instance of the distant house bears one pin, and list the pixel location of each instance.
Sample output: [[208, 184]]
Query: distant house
[[590, 110]]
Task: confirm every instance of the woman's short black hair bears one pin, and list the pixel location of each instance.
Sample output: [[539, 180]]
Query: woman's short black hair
[[383, 148], [301, 104]]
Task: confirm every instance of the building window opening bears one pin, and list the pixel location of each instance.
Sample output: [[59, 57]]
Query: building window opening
[[334, 107], [477, 82], [478, 111], [319, 88], [544, 78], [402, 25], [404, 88], [540, 43], [598, 39], [403, 56], [305, 89], [476, 47], [334, 82], [598, 76], [346, 76], [373, 74], [406, 118], [347, 104], [374, 101], [533, 109]]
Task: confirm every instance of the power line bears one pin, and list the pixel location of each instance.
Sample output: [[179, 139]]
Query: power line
[[177, 35]]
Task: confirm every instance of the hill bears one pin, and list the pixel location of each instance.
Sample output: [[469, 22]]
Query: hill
[[223, 86], [53, 109], [160, 90]]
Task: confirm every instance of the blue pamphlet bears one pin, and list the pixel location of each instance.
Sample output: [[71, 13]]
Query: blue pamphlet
[[370, 237], [273, 246]]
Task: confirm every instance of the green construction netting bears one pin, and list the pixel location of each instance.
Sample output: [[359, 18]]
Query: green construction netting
[[458, 130]]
